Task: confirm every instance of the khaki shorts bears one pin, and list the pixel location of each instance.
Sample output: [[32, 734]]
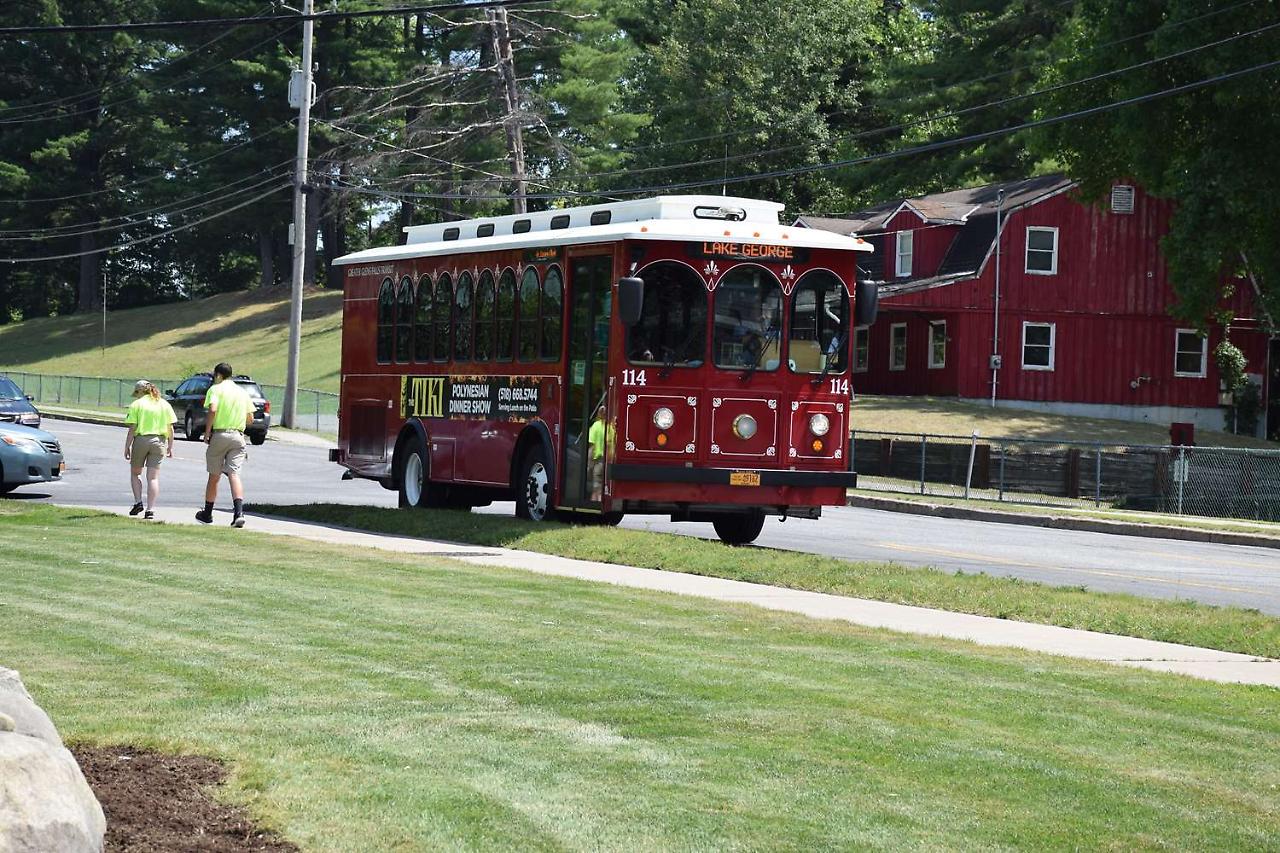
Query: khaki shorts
[[226, 452], [147, 450]]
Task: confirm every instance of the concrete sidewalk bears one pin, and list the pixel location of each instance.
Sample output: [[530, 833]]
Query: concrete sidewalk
[[984, 630]]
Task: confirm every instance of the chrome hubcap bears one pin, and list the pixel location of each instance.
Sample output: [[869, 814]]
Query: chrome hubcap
[[536, 491], [413, 479]]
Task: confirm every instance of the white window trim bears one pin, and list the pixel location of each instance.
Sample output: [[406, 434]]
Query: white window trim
[[1053, 257], [867, 331], [934, 326], [898, 253], [1053, 345], [1204, 355], [903, 327]]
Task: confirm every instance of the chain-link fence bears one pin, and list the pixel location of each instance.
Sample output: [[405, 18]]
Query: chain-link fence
[[1209, 481], [317, 410]]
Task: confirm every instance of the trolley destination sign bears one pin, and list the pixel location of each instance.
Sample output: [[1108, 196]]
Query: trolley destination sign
[[494, 398], [726, 250]]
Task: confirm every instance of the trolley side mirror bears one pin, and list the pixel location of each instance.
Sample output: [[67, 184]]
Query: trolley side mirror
[[866, 303], [630, 300]]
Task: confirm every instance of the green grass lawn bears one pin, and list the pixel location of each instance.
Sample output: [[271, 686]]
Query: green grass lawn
[[250, 329], [1225, 628], [371, 701]]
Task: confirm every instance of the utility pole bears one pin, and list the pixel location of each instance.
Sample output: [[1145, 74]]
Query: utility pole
[[299, 89], [507, 83]]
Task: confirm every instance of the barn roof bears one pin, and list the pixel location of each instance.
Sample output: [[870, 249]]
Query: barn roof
[[973, 209]]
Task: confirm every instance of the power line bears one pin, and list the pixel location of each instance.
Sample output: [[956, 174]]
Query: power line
[[151, 238], [222, 22], [870, 158]]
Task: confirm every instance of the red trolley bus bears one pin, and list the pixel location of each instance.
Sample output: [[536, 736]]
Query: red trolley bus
[[681, 355]]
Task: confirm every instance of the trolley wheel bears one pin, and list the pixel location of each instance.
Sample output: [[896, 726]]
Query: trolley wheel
[[412, 477], [533, 486], [739, 528], [189, 428], [611, 519]]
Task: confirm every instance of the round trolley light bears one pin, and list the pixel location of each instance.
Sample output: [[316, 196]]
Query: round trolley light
[[744, 426], [817, 445], [662, 439], [664, 418], [819, 424]]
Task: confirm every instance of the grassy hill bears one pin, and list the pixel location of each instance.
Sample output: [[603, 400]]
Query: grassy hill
[[248, 329], [251, 330]]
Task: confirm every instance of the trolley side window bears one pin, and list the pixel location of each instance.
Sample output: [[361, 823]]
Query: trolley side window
[[529, 297], [441, 307], [818, 338], [673, 322], [386, 318], [505, 348], [404, 320], [552, 303], [462, 319], [484, 317], [748, 320], [422, 321]]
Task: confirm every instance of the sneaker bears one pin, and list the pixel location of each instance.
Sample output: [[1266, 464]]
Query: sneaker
[[149, 515], [204, 517], [136, 508], [238, 521]]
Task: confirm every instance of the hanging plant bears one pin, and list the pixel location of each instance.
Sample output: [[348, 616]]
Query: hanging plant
[[1231, 365]]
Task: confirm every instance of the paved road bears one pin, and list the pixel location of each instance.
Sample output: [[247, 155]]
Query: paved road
[[285, 473]]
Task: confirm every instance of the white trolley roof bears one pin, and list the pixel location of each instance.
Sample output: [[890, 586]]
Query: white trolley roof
[[679, 217]]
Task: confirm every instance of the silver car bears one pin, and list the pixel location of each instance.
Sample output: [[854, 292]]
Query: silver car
[[28, 455]]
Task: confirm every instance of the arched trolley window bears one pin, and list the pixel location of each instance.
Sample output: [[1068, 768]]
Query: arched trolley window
[[748, 320], [422, 321], [530, 293], [818, 337], [673, 322], [463, 319], [404, 320], [386, 320], [504, 349], [441, 306], [484, 317]]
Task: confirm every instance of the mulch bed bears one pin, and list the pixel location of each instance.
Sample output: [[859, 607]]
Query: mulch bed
[[162, 803]]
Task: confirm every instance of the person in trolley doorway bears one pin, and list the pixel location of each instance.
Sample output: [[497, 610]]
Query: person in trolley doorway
[[595, 437], [147, 443], [230, 411]]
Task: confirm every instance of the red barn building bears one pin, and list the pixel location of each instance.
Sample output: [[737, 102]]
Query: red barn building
[[1067, 311]]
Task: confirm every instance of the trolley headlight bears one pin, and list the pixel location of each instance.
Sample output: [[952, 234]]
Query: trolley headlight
[[664, 418], [819, 424], [744, 426]]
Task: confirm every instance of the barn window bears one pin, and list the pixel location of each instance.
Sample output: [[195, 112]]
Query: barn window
[[386, 320], [1190, 353], [906, 246], [937, 344], [404, 320], [1038, 343], [898, 346], [1042, 251], [861, 349], [422, 321]]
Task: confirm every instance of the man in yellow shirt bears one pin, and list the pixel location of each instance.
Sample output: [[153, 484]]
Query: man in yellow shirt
[[230, 411], [148, 442]]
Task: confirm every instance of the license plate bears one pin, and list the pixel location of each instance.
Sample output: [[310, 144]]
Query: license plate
[[744, 478]]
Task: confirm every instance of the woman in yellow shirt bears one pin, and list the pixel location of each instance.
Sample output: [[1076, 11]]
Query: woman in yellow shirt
[[148, 442]]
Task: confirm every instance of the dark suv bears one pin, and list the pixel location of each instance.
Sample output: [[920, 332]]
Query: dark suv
[[15, 406], [188, 404]]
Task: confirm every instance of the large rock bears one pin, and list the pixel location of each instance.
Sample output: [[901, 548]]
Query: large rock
[[45, 803]]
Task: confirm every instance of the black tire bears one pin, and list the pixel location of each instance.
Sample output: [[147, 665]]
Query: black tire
[[739, 528], [6, 488], [413, 474], [189, 428], [258, 437], [533, 486], [611, 519]]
